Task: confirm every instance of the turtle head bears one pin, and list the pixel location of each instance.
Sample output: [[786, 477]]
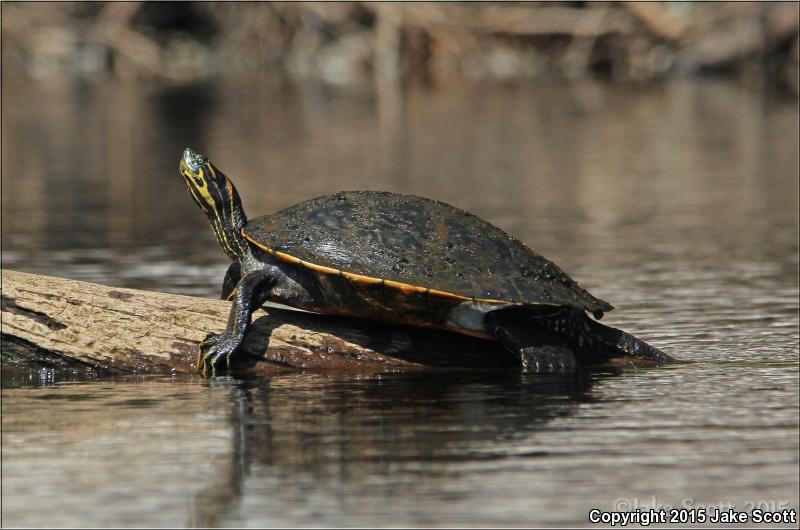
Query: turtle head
[[215, 194]]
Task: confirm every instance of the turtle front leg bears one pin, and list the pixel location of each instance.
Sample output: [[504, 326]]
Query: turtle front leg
[[248, 296], [539, 350], [232, 278]]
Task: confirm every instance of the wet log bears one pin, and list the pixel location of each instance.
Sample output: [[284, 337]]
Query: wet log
[[56, 322]]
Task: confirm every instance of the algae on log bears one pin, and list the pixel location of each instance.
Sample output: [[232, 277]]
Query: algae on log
[[49, 321]]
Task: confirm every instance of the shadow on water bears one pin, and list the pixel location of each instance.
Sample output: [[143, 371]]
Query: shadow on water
[[338, 431]]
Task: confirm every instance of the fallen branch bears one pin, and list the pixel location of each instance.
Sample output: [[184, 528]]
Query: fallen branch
[[56, 322], [521, 20], [658, 19], [727, 37]]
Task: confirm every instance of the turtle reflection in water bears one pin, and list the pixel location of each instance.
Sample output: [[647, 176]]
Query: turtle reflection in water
[[401, 259]]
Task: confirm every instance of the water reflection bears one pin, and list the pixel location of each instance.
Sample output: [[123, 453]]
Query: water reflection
[[596, 178], [338, 432], [401, 449]]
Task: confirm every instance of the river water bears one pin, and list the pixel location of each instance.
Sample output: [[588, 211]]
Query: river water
[[677, 203]]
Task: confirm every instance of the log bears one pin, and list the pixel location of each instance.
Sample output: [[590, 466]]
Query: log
[[662, 22], [62, 323], [56, 322], [518, 20]]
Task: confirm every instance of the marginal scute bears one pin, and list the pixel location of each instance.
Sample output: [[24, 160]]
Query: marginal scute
[[416, 243]]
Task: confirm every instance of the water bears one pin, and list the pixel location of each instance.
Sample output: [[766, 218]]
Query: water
[[677, 203]]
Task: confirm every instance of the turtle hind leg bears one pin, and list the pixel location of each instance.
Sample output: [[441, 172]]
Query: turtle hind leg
[[597, 343], [622, 343], [548, 358], [539, 350]]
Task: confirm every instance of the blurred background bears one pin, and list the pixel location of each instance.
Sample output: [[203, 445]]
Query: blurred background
[[348, 42], [649, 149], [559, 121]]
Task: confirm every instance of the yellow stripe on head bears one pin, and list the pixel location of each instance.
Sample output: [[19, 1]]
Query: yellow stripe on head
[[203, 189]]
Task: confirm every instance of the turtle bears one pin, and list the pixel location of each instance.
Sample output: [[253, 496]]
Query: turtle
[[400, 259]]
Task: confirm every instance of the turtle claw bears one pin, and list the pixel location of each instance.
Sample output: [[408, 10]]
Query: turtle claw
[[548, 360], [211, 350], [204, 350]]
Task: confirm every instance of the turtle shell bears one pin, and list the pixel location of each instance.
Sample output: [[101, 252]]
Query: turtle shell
[[413, 241]]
